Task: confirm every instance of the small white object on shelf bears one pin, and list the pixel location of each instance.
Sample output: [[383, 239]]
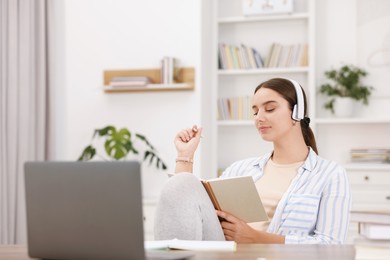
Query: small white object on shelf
[[259, 7]]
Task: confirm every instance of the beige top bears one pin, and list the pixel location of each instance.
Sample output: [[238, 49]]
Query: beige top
[[271, 187]]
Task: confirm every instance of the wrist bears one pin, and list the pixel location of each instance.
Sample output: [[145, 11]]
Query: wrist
[[185, 154], [184, 159]]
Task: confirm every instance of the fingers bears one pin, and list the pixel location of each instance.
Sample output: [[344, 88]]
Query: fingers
[[229, 230], [187, 134], [228, 217]]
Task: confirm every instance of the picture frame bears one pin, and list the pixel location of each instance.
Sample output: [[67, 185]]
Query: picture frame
[[264, 7]]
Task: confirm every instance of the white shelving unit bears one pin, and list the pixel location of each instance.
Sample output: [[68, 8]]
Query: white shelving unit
[[234, 140], [239, 139]]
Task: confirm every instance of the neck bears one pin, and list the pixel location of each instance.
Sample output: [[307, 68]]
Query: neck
[[290, 151]]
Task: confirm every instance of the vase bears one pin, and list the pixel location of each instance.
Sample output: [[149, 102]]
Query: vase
[[343, 107]]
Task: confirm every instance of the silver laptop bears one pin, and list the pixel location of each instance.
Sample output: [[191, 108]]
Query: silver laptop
[[85, 210]]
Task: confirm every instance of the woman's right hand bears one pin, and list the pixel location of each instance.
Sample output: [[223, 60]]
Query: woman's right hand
[[187, 141]]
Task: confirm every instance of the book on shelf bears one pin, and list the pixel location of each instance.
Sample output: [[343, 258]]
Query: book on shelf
[[245, 58], [222, 57], [129, 81], [371, 216], [168, 67], [235, 108], [233, 52], [258, 59], [237, 196], [194, 245], [229, 58], [375, 231], [251, 58], [281, 56], [238, 57], [381, 155]]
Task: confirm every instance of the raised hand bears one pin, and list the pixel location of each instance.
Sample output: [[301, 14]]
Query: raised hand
[[187, 141]]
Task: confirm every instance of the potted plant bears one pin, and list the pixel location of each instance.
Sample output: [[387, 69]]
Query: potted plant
[[346, 85], [119, 144]]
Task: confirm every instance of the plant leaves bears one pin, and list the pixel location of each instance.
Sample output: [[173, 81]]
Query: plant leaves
[[346, 83], [143, 138], [88, 153], [118, 143]]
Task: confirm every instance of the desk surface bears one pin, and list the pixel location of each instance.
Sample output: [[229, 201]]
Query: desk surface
[[253, 251]]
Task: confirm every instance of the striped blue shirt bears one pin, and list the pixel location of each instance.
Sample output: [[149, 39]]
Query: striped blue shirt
[[315, 208]]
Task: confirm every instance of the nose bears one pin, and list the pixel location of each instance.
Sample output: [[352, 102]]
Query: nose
[[259, 117]]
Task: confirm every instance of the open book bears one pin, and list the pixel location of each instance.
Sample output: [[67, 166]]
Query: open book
[[237, 196]]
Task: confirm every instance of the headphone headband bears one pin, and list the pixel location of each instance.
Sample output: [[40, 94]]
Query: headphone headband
[[299, 109]]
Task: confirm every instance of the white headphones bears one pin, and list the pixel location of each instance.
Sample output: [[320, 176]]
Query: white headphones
[[298, 112]]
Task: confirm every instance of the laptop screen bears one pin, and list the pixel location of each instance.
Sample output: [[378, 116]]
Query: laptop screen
[[84, 210]]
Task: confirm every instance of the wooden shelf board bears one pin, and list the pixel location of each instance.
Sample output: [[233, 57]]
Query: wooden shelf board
[[185, 78], [151, 88]]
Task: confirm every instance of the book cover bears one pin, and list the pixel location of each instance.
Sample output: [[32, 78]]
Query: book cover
[[237, 196]]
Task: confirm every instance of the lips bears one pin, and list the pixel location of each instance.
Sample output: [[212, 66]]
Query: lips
[[263, 129]]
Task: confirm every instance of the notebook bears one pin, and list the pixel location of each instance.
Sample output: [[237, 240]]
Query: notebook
[[86, 210]]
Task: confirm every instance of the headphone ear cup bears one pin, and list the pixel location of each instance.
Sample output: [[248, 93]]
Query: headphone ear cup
[[294, 114]]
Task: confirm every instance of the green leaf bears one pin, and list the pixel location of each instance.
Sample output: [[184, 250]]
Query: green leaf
[[118, 143], [106, 131], [346, 82], [88, 153], [143, 138]]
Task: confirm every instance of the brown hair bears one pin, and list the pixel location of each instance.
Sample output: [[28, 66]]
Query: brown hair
[[286, 89]]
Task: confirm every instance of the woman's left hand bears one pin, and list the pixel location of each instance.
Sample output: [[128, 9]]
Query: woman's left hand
[[237, 229]]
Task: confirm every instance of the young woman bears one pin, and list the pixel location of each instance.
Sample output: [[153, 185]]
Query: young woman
[[307, 198]]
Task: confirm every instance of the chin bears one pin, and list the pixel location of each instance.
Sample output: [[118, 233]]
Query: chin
[[266, 137]]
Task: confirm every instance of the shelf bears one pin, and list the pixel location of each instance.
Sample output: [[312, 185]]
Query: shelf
[[243, 19], [184, 80], [152, 87], [235, 123], [318, 121], [325, 121], [367, 166], [264, 71]]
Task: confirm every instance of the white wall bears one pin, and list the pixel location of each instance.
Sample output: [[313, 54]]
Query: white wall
[[348, 32], [124, 34], [127, 34]]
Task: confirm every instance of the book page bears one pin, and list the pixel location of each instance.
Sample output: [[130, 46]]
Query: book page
[[191, 245]]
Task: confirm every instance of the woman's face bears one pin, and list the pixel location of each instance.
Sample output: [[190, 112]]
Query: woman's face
[[272, 115]]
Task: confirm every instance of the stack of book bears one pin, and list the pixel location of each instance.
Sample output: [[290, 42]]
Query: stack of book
[[373, 227], [281, 56], [235, 108], [238, 57], [168, 68], [129, 82], [374, 155]]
